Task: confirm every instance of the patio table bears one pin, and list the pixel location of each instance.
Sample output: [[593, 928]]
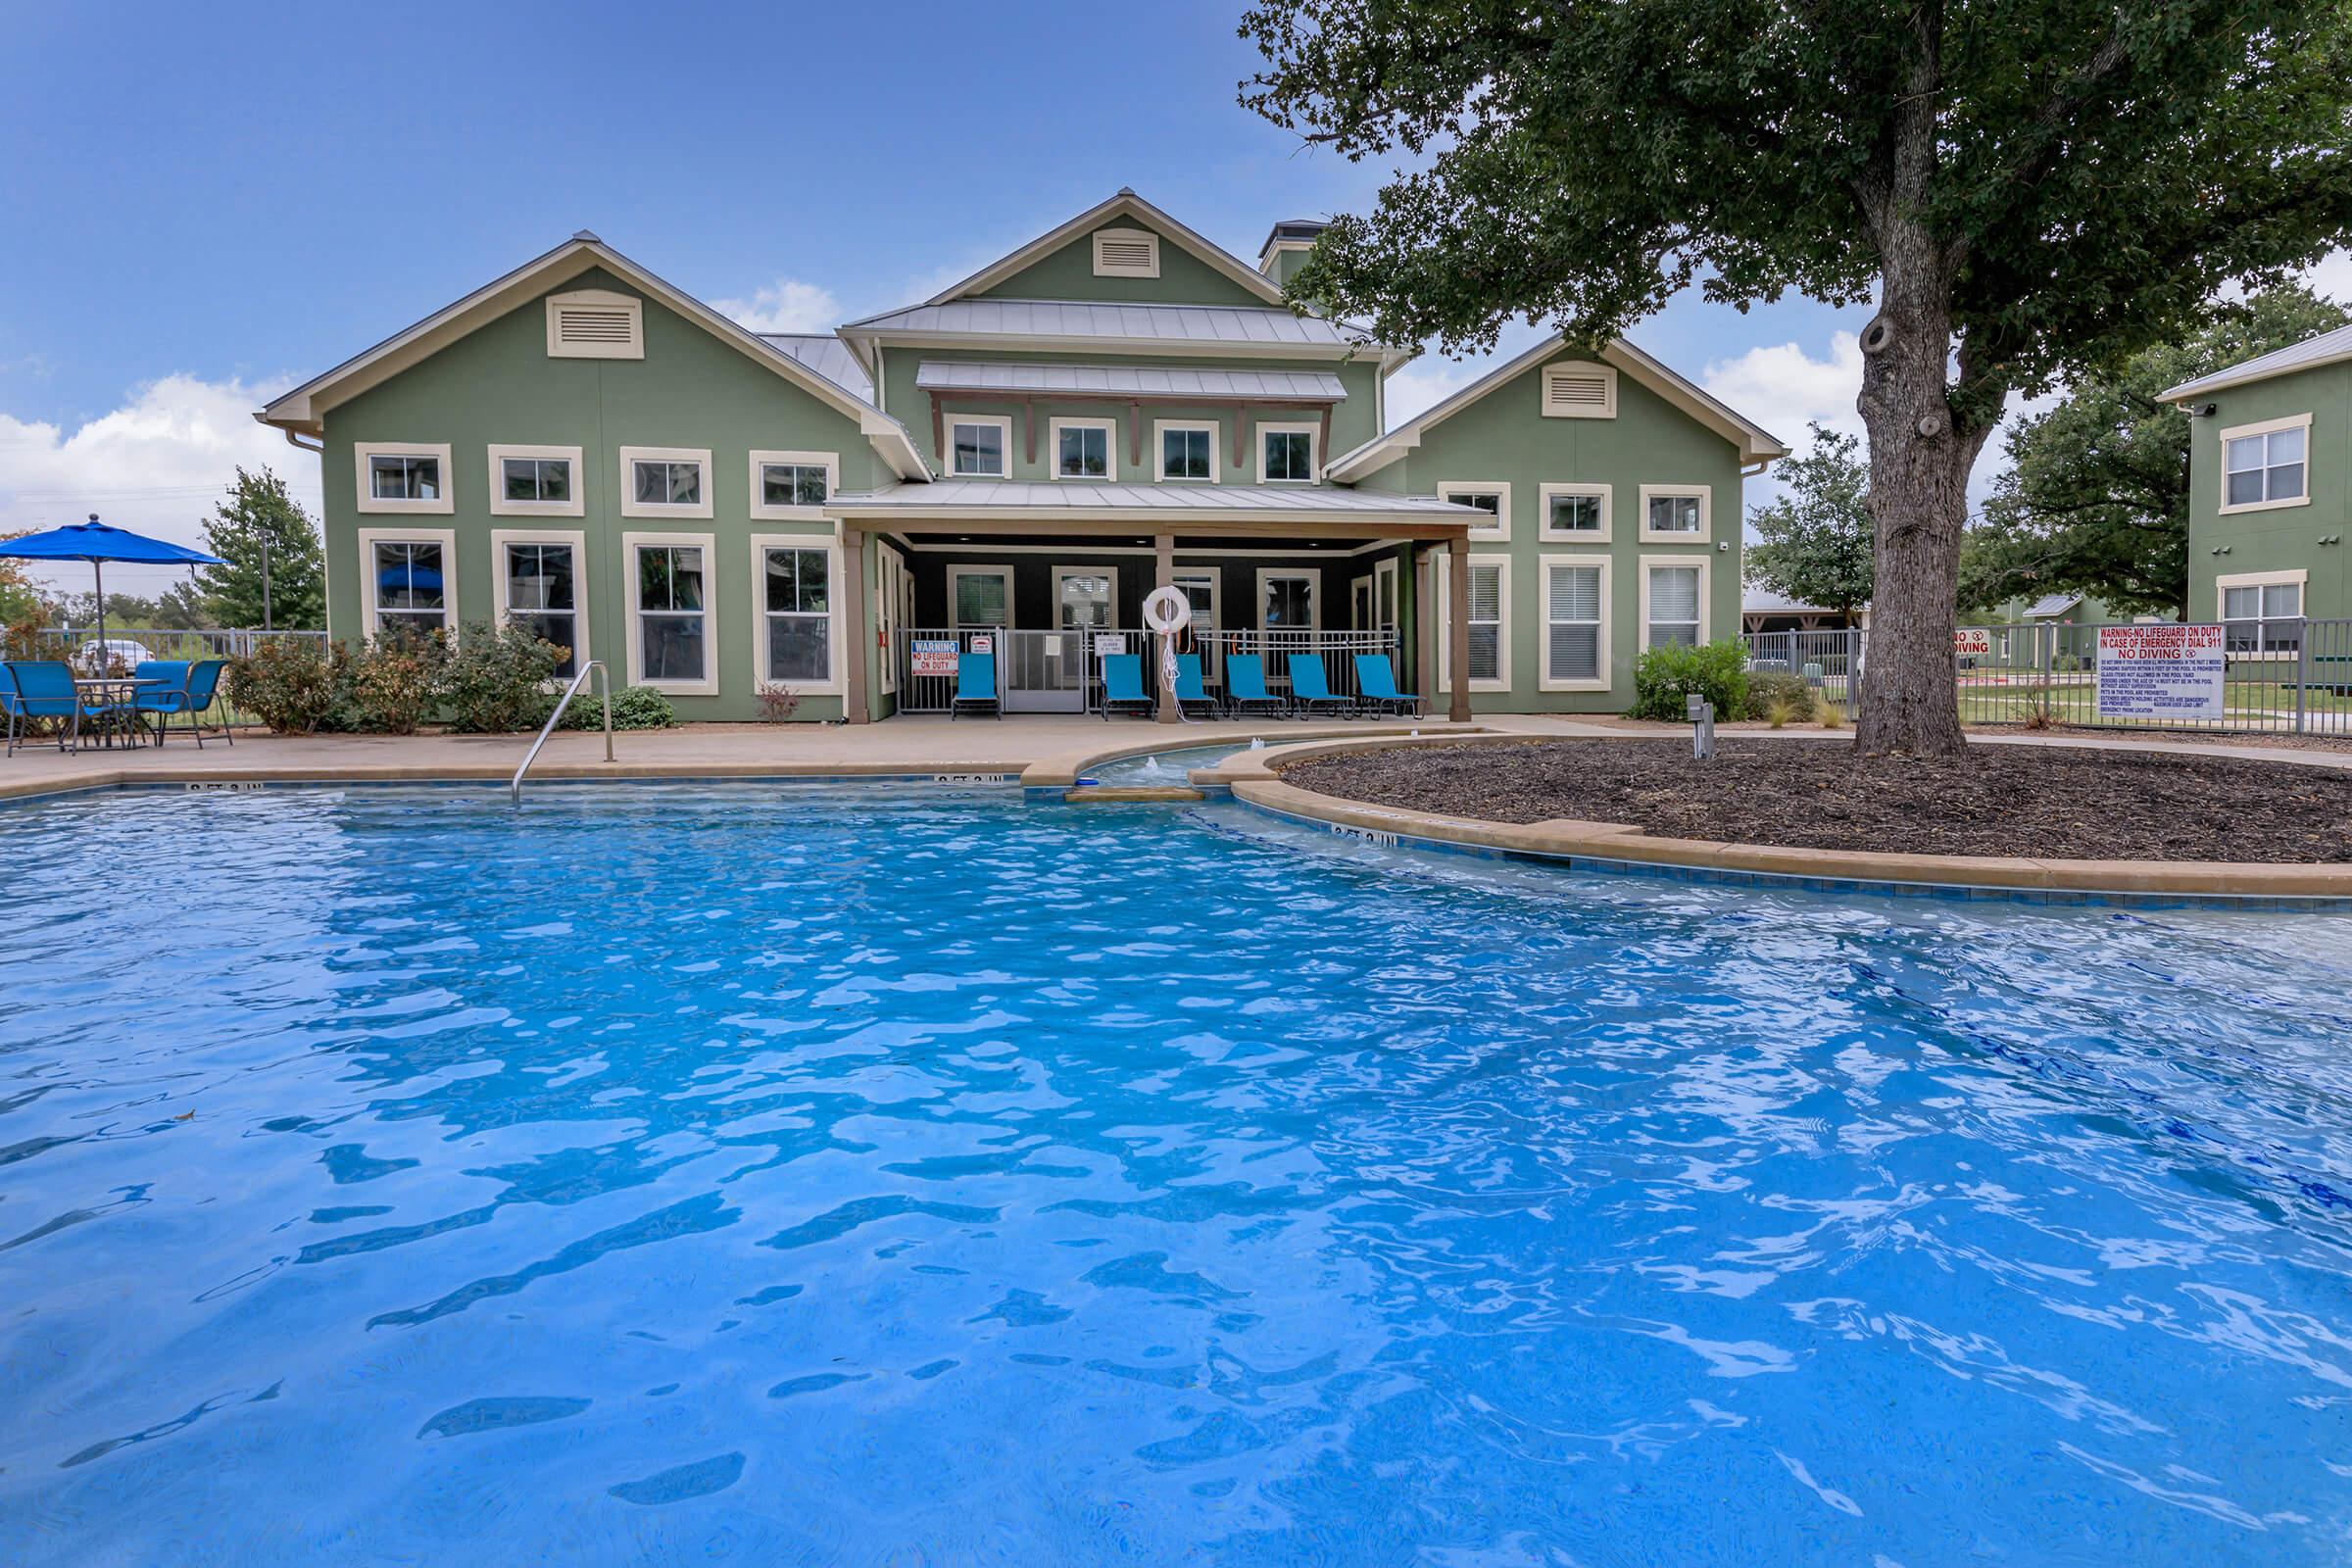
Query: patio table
[[117, 693]]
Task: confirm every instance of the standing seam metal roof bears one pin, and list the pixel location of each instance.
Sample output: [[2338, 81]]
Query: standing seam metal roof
[[827, 355], [1188, 323], [983, 495], [1143, 380], [2325, 349]]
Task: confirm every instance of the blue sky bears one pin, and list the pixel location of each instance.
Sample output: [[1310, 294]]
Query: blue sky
[[212, 203]]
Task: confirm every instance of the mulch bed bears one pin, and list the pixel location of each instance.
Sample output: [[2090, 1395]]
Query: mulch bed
[[2034, 801]]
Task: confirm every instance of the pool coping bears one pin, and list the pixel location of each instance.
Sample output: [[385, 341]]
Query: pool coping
[[1254, 780]]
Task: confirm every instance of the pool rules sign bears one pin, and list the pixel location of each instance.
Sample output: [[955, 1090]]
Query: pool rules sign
[[2160, 672]]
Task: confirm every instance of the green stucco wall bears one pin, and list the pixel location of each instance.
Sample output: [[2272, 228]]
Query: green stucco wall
[[2305, 538], [1068, 274]]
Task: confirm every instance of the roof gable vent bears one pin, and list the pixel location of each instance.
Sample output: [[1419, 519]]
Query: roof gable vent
[[594, 324], [1126, 253], [1576, 390]]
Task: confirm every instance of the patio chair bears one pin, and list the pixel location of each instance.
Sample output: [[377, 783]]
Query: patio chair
[[160, 703], [1377, 681], [975, 685], [204, 686], [1191, 694], [1124, 686], [1311, 690], [1245, 685], [44, 689]]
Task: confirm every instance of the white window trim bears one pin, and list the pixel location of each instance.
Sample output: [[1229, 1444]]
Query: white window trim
[[761, 511], [1608, 510], [1054, 611], [958, 573], [1314, 595], [578, 539], [1312, 429], [1443, 582], [630, 543], [631, 507], [761, 544], [1110, 449], [1501, 531], [1143, 234], [602, 299], [1160, 449], [1676, 492], [361, 450], [1544, 681], [370, 538], [1706, 630], [1003, 424], [1567, 411], [2237, 432], [1388, 570], [501, 507], [1214, 578]]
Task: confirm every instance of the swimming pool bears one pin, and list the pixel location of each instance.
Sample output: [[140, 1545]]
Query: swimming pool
[[911, 1174]]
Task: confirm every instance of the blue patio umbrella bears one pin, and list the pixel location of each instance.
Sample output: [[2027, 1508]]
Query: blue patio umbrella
[[97, 543]]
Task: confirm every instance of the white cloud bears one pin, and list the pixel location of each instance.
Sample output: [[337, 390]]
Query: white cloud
[[1784, 388], [787, 305], [1428, 381], [156, 466], [2332, 276]]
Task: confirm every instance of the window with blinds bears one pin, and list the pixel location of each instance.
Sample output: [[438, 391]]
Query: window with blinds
[[1674, 609], [1572, 623], [1486, 623]]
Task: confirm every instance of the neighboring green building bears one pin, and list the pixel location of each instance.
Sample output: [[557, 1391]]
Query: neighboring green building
[[1016, 463], [2269, 459]]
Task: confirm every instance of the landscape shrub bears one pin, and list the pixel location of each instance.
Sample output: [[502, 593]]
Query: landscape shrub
[[633, 708], [290, 684], [1776, 690], [777, 701], [390, 687], [493, 679], [1664, 676]]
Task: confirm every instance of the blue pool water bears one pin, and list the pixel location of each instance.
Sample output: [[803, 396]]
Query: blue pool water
[[908, 1176]]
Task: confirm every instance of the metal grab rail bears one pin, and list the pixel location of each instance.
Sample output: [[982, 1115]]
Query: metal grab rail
[[604, 683]]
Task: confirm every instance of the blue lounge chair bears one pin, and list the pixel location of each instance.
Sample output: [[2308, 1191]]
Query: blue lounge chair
[[44, 689], [1123, 685], [1189, 692], [1245, 685], [160, 703], [975, 685], [1377, 681], [1309, 688], [204, 686]]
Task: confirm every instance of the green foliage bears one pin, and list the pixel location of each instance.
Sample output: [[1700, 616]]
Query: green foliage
[[633, 708], [19, 598], [2095, 501], [391, 687], [1779, 689], [257, 509], [1814, 542], [290, 684], [1664, 676], [493, 679]]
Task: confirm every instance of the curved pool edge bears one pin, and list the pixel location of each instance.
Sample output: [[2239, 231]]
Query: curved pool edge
[[1254, 782]]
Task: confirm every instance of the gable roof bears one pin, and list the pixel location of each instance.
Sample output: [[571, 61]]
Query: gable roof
[[1755, 443], [827, 356], [2328, 348], [1126, 204], [304, 408], [1096, 323]]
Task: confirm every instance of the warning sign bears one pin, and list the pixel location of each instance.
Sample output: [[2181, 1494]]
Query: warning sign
[[933, 656], [1973, 640], [2160, 672]]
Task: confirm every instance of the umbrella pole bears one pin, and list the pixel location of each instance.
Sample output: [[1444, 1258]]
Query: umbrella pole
[[98, 576]]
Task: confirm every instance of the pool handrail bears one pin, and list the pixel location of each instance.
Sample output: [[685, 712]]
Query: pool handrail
[[603, 681]]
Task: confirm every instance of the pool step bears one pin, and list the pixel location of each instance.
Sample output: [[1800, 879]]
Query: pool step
[[1129, 793]]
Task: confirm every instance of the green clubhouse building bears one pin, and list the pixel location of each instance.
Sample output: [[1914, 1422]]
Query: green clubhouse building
[[2269, 459], [1014, 464]]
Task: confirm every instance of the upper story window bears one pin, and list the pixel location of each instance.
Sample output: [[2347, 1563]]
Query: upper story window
[[1287, 453], [1083, 450], [1578, 511], [536, 481], [666, 482], [2265, 465], [1187, 451], [397, 476], [595, 324], [793, 484], [1492, 497], [977, 446], [1674, 513], [1126, 253], [1575, 389]]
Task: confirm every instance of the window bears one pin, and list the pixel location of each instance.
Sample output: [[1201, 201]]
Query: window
[[1578, 511], [977, 446], [595, 324], [1383, 596], [1126, 253], [664, 482], [1674, 599], [793, 484], [1084, 449], [1487, 496], [1199, 590], [671, 642], [1576, 623], [535, 482], [1085, 598], [980, 596], [2265, 466], [2262, 614], [400, 476], [1576, 390], [1287, 453], [1286, 601], [1187, 451], [1676, 513], [1486, 579], [539, 592], [797, 606], [411, 592]]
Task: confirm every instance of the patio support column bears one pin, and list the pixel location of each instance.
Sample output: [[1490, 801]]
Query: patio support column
[[1458, 628], [856, 636], [1165, 573], [1425, 627]]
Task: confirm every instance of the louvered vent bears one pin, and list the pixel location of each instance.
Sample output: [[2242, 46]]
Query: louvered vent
[[1574, 391], [595, 324], [1126, 253]]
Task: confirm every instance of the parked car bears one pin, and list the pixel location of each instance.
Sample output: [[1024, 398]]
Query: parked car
[[114, 656]]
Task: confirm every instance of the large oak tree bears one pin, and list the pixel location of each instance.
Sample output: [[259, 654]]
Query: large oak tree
[[2026, 189]]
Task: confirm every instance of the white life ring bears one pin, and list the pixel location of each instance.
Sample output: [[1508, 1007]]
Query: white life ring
[[1167, 611]]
